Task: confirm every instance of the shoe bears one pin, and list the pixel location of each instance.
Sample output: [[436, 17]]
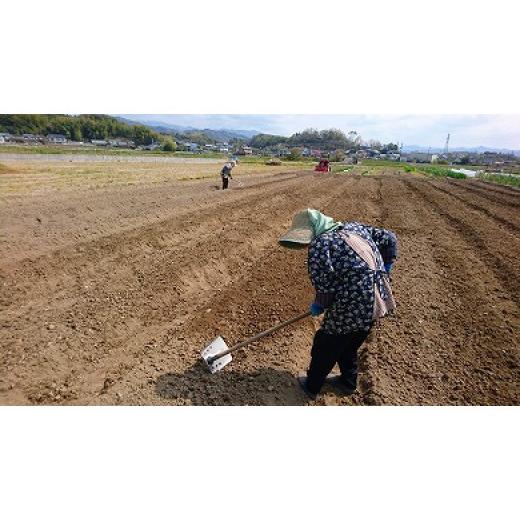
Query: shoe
[[338, 384], [302, 381]]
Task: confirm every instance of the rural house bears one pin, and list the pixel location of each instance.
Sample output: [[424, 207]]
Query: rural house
[[31, 138], [192, 147], [282, 151], [417, 157], [56, 138], [389, 156], [245, 150], [121, 142], [151, 147], [16, 139]]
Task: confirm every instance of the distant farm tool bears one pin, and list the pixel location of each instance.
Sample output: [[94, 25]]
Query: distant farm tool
[[217, 354], [323, 166]]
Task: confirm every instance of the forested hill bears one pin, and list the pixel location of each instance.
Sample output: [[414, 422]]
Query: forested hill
[[329, 140], [76, 128]]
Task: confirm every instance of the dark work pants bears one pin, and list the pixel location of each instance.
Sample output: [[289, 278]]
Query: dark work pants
[[329, 349], [225, 183]]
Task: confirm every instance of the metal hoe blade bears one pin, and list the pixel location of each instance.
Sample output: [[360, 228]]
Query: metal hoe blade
[[217, 346]]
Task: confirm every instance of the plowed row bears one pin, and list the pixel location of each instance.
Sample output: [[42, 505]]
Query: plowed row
[[108, 296]]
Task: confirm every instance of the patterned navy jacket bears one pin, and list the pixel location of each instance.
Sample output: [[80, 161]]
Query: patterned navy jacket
[[343, 281]]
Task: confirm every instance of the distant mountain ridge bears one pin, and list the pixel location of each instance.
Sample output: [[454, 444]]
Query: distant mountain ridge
[[473, 149], [221, 134]]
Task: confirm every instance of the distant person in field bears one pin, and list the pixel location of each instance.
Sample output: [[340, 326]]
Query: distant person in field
[[226, 174], [349, 265]]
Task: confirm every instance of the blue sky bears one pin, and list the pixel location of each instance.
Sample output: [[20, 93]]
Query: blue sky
[[501, 131]]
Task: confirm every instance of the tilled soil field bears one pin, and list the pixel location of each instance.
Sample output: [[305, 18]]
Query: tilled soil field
[[108, 295]]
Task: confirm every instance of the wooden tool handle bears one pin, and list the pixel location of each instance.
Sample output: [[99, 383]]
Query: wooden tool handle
[[260, 335]]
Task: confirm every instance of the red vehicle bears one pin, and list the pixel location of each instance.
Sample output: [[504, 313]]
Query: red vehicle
[[323, 166]]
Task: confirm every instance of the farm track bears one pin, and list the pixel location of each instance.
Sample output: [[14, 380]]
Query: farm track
[[101, 309]]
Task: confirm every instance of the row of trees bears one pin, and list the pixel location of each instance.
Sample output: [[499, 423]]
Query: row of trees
[[327, 140], [77, 128], [267, 141]]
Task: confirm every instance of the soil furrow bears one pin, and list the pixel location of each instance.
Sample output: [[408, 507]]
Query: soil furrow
[[62, 265], [451, 338], [502, 268], [491, 213], [106, 315], [504, 198], [118, 312], [267, 296]]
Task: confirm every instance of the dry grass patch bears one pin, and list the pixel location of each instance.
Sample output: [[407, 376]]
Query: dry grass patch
[[35, 176]]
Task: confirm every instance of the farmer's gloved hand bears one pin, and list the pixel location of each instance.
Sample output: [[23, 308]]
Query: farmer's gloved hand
[[316, 309], [388, 267]]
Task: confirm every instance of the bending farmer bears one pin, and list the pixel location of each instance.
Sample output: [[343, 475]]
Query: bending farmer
[[226, 174], [348, 265]]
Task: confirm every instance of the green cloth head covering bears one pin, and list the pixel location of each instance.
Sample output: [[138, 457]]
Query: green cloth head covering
[[306, 226]]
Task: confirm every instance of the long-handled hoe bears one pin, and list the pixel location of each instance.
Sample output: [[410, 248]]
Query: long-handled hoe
[[217, 354]]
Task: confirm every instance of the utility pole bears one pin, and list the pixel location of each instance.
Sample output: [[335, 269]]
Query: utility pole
[[446, 145]]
